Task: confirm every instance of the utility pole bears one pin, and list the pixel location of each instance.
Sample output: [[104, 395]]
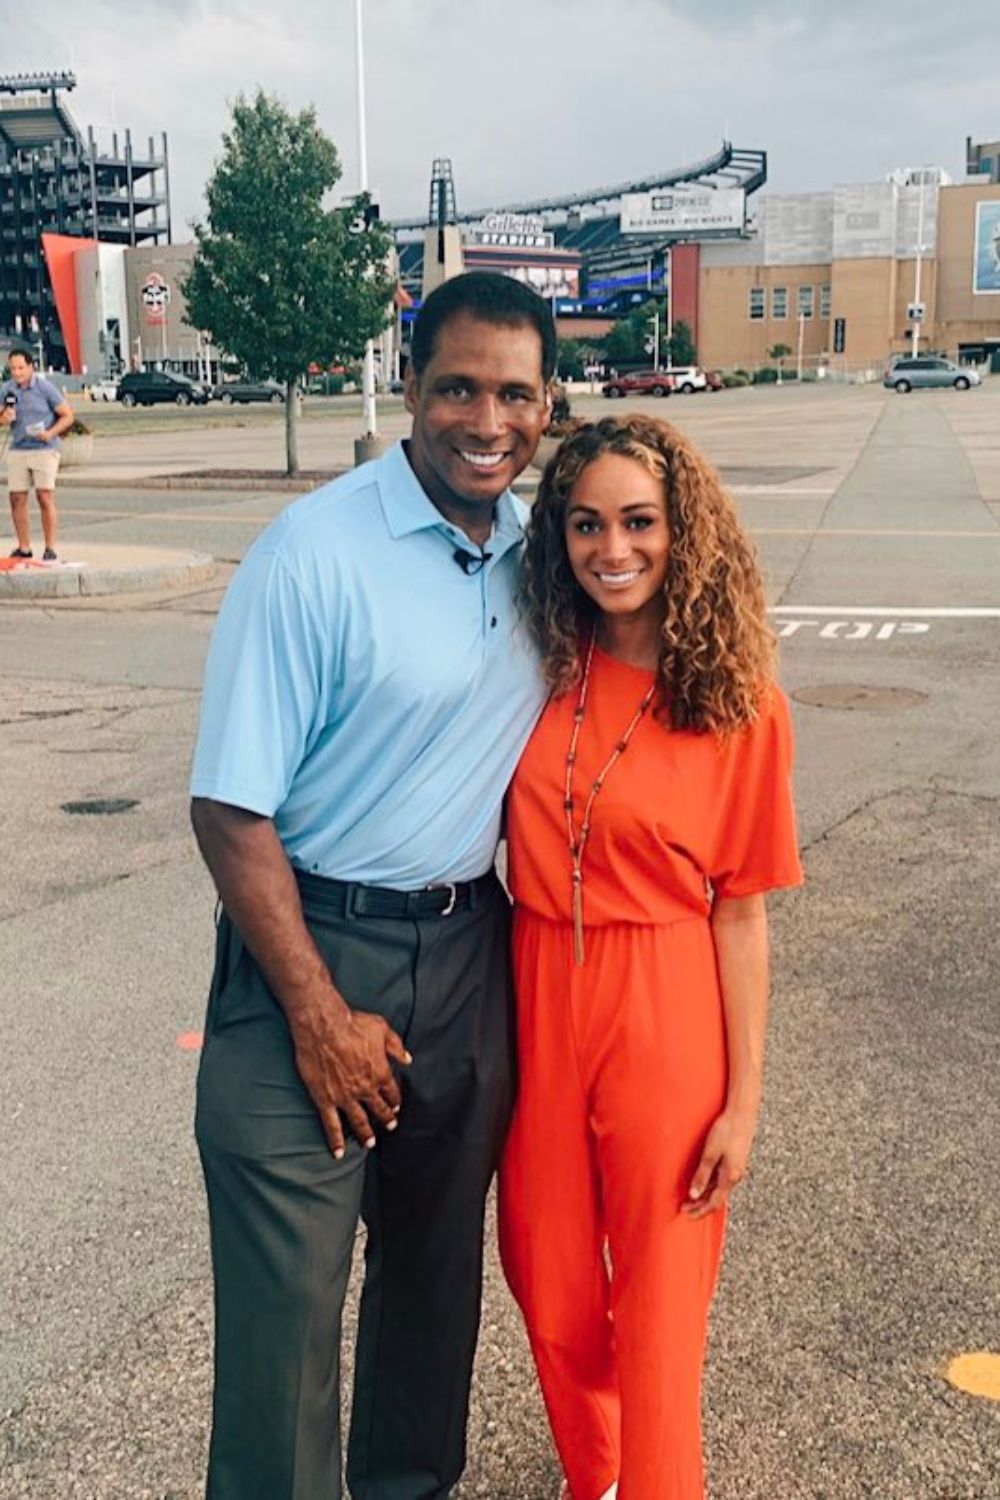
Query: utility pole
[[368, 413], [917, 310]]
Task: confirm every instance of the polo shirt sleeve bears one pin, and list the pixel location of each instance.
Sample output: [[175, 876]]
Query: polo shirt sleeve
[[52, 394], [756, 844], [263, 690]]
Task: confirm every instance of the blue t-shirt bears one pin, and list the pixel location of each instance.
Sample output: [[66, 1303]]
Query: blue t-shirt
[[36, 402], [364, 691]]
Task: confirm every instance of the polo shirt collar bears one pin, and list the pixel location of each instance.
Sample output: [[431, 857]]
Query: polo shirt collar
[[407, 508]]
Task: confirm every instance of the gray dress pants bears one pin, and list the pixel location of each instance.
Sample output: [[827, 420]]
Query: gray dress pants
[[284, 1214]]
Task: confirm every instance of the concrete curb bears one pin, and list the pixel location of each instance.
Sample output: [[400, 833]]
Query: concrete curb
[[173, 570], [235, 484]]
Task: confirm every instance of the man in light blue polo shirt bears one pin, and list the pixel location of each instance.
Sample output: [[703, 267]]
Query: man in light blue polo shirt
[[368, 692]]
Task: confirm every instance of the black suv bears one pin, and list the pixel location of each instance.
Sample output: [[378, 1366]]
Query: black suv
[[148, 387]]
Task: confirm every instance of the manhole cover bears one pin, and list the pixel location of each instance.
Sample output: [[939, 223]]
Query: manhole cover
[[856, 695], [101, 806]]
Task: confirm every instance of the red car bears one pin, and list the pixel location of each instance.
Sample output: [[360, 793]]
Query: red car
[[714, 381], [640, 383]]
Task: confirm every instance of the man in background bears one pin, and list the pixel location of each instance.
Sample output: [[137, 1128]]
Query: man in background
[[36, 412]]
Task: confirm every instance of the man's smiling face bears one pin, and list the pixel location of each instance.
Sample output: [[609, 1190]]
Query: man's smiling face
[[479, 408]]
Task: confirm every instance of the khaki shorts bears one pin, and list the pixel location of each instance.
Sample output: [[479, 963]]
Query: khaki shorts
[[32, 466]]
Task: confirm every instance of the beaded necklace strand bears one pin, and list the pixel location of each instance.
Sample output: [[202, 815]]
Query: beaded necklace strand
[[578, 842]]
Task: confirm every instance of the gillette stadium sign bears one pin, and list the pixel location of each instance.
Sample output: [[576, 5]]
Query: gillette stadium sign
[[687, 211], [521, 231]]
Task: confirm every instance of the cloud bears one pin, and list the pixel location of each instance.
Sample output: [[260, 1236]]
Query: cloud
[[537, 96]]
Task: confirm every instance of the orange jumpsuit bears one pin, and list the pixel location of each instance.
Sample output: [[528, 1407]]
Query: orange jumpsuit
[[623, 1067]]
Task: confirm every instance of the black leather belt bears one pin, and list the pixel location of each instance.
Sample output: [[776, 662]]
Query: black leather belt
[[352, 899]]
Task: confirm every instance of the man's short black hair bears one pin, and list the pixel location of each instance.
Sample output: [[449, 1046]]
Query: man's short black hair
[[493, 299], [24, 353]]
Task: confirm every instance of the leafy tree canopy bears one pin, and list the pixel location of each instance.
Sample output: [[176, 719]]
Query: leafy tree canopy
[[279, 279]]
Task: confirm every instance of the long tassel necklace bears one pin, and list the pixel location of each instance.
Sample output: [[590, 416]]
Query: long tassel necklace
[[578, 841]]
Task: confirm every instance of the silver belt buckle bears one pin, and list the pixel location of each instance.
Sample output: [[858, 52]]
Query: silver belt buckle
[[452, 898]]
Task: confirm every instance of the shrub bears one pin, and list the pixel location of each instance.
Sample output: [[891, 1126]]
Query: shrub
[[766, 375]]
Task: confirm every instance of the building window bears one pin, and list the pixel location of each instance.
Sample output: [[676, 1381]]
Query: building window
[[779, 302], [824, 300], [756, 303], [805, 301]]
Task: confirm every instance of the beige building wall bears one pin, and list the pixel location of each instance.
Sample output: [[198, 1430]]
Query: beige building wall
[[729, 338], [964, 316], [155, 341]]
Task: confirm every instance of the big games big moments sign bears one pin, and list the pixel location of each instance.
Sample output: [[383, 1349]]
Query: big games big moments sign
[[688, 211]]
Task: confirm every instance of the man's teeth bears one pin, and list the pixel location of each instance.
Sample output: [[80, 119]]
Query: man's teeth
[[618, 578], [484, 460]]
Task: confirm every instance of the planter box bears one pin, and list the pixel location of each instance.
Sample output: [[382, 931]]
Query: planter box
[[77, 449]]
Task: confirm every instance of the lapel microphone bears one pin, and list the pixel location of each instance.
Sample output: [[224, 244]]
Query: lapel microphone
[[471, 562]]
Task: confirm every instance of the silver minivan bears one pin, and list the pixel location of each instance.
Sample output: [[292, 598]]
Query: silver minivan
[[928, 370]]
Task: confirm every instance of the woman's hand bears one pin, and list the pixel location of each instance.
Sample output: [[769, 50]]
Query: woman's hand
[[724, 1161]]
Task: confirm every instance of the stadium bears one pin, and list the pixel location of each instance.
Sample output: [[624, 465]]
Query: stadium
[[840, 278]]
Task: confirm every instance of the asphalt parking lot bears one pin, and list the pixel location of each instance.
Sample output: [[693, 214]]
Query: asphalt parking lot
[[862, 1254]]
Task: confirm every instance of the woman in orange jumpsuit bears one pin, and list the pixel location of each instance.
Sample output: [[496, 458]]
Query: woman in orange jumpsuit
[[649, 814]]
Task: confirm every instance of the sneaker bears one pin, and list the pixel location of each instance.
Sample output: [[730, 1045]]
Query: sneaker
[[49, 555], [22, 552]]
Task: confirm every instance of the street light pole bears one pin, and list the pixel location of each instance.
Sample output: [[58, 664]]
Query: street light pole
[[368, 368], [916, 281]]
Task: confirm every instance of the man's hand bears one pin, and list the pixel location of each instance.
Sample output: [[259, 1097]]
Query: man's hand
[[8, 416], [344, 1063], [724, 1160]]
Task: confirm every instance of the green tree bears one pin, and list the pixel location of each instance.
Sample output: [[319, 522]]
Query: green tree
[[681, 345], [627, 341], [569, 364], [780, 352], [280, 280]]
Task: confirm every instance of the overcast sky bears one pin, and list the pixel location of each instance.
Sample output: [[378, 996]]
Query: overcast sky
[[531, 97]]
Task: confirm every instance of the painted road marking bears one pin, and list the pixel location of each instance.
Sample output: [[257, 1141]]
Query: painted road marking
[[819, 533], [900, 611], [779, 489], [976, 1374], [852, 630]]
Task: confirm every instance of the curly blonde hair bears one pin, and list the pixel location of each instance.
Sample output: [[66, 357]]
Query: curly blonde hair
[[716, 651]]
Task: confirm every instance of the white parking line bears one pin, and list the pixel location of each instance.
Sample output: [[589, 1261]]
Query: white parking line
[[879, 611]]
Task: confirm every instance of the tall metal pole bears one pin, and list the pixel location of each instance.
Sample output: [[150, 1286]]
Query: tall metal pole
[[368, 368], [920, 246]]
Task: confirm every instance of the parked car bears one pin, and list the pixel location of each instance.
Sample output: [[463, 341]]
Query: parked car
[[688, 379], [152, 387], [927, 371], [248, 390], [639, 383], [714, 380], [104, 390]]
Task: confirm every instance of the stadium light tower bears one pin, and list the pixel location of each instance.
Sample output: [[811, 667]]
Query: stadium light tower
[[368, 413]]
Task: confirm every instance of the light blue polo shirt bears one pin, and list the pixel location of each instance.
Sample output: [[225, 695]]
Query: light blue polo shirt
[[36, 402], [363, 691]]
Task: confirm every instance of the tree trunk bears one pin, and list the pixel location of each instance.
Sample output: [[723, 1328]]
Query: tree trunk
[[291, 426]]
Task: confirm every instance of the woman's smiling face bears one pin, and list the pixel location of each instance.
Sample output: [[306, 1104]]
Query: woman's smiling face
[[618, 537]]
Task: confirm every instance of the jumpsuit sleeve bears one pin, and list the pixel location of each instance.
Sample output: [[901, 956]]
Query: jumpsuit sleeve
[[756, 846]]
